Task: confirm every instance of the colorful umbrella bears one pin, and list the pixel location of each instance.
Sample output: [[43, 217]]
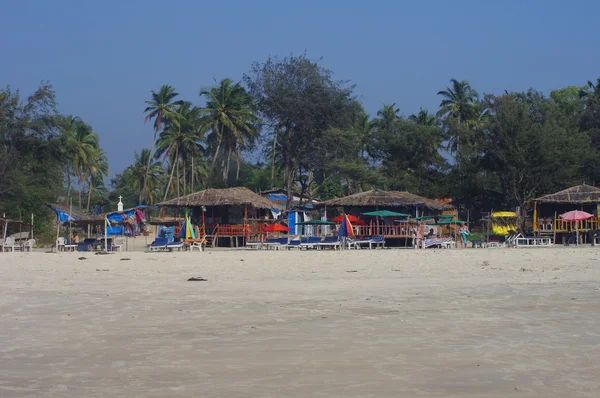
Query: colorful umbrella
[[352, 218], [576, 216], [346, 228], [277, 228]]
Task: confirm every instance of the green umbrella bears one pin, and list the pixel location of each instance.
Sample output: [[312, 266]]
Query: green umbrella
[[449, 222], [440, 217], [315, 222], [385, 213]]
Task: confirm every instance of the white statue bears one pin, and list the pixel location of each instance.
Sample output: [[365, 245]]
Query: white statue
[[120, 204]]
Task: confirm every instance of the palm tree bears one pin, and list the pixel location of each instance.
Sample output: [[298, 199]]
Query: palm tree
[[162, 109], [98, 167], [422, 118], [231, 122], [81, 150], [386, 117], [180, 141], [591, 94], [459, 103], [143, 179]]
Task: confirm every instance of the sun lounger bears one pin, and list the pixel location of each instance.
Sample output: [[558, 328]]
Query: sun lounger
[[175, 245], [253, 245], [377, 240], [330, 241], [158, 244], [276, 243], [533, 241], [357, 243], [311, 243], [294, 243], [437, 242]]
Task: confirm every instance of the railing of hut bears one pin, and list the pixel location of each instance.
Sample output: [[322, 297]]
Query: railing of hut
[[561, 225], [401, 230]]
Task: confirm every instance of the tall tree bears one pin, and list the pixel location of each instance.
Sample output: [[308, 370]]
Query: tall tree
[[458, 108], [423, 118], [162, 108], [145, 181], [300, 100], [231, 122]]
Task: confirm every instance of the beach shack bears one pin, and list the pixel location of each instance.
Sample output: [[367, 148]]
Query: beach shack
[[399, 229], [221, 216], [301, 209], [548, 208]]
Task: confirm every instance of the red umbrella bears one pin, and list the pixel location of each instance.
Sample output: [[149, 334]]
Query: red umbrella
[[277, 228], [576, 216], [353, 219]]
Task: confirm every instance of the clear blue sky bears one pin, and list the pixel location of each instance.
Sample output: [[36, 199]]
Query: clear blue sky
[[104, 57]]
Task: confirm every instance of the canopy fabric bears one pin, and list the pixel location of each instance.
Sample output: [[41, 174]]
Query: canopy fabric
[[576, 215], [277, 228], [346, 227], [316, 222], [352, 218], [441, 217], [449, 222], [385, 213], [504, 214]]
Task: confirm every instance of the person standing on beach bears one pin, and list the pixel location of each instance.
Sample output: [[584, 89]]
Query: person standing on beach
[[464, 232]]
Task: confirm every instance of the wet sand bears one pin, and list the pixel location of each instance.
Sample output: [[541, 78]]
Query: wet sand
[[382, 323]]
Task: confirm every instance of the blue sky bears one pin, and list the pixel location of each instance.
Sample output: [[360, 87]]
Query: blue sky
[[104, 57]]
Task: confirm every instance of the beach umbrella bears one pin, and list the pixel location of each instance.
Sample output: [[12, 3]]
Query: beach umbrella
[[576, 216], [277, 228], [345, 229], [352, 218], [385, 213]]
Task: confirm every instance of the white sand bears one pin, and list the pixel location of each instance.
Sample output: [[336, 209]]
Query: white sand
[[279, 324]]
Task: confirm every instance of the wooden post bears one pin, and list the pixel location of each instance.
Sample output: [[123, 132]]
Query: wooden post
[[535, 227]]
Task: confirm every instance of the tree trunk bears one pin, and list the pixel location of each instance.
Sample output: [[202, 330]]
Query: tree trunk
[[218, 148], [226, 168], [90, 195], [68, 186], [170, 178], [237, 173], [147, 169], [183, 176], [79, 189], [192, 177], [178, 179], [273, 160]]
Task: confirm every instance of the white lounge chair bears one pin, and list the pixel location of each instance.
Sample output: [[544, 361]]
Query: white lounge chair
[[118, 243], [28, 245], [175, 245], [198, 245], [10, 244]]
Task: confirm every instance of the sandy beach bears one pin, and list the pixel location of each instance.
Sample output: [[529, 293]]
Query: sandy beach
[[381, 323]]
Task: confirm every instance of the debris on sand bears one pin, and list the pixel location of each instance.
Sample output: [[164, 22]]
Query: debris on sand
[[82, 258], [197, 279], [352, 270], [102, 270], [125, 259]]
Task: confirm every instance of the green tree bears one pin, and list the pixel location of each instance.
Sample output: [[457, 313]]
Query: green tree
[[97, 168], [162, 108], [230, 121], [300, 102], [423, 118], [458, 109], [144, 181]]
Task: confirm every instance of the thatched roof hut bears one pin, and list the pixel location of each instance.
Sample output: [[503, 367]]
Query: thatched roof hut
[[579, 194], [377, 198], [239, 196]]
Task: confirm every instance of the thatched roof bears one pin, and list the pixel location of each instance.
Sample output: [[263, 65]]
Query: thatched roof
[[221, 197], [377, 198], [579, 194]]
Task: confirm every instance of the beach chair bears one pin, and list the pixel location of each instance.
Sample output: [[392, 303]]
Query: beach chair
[[511, 239], [357, 243], [10, 244], [86, 245], [330, 242], [158, 244], [294, 243], [311, 243], [377, 240], [437, 242], [254, 244], [60, 244], [118, 244], [276, 243], [175, 245], [198, 244], [28, 245]]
